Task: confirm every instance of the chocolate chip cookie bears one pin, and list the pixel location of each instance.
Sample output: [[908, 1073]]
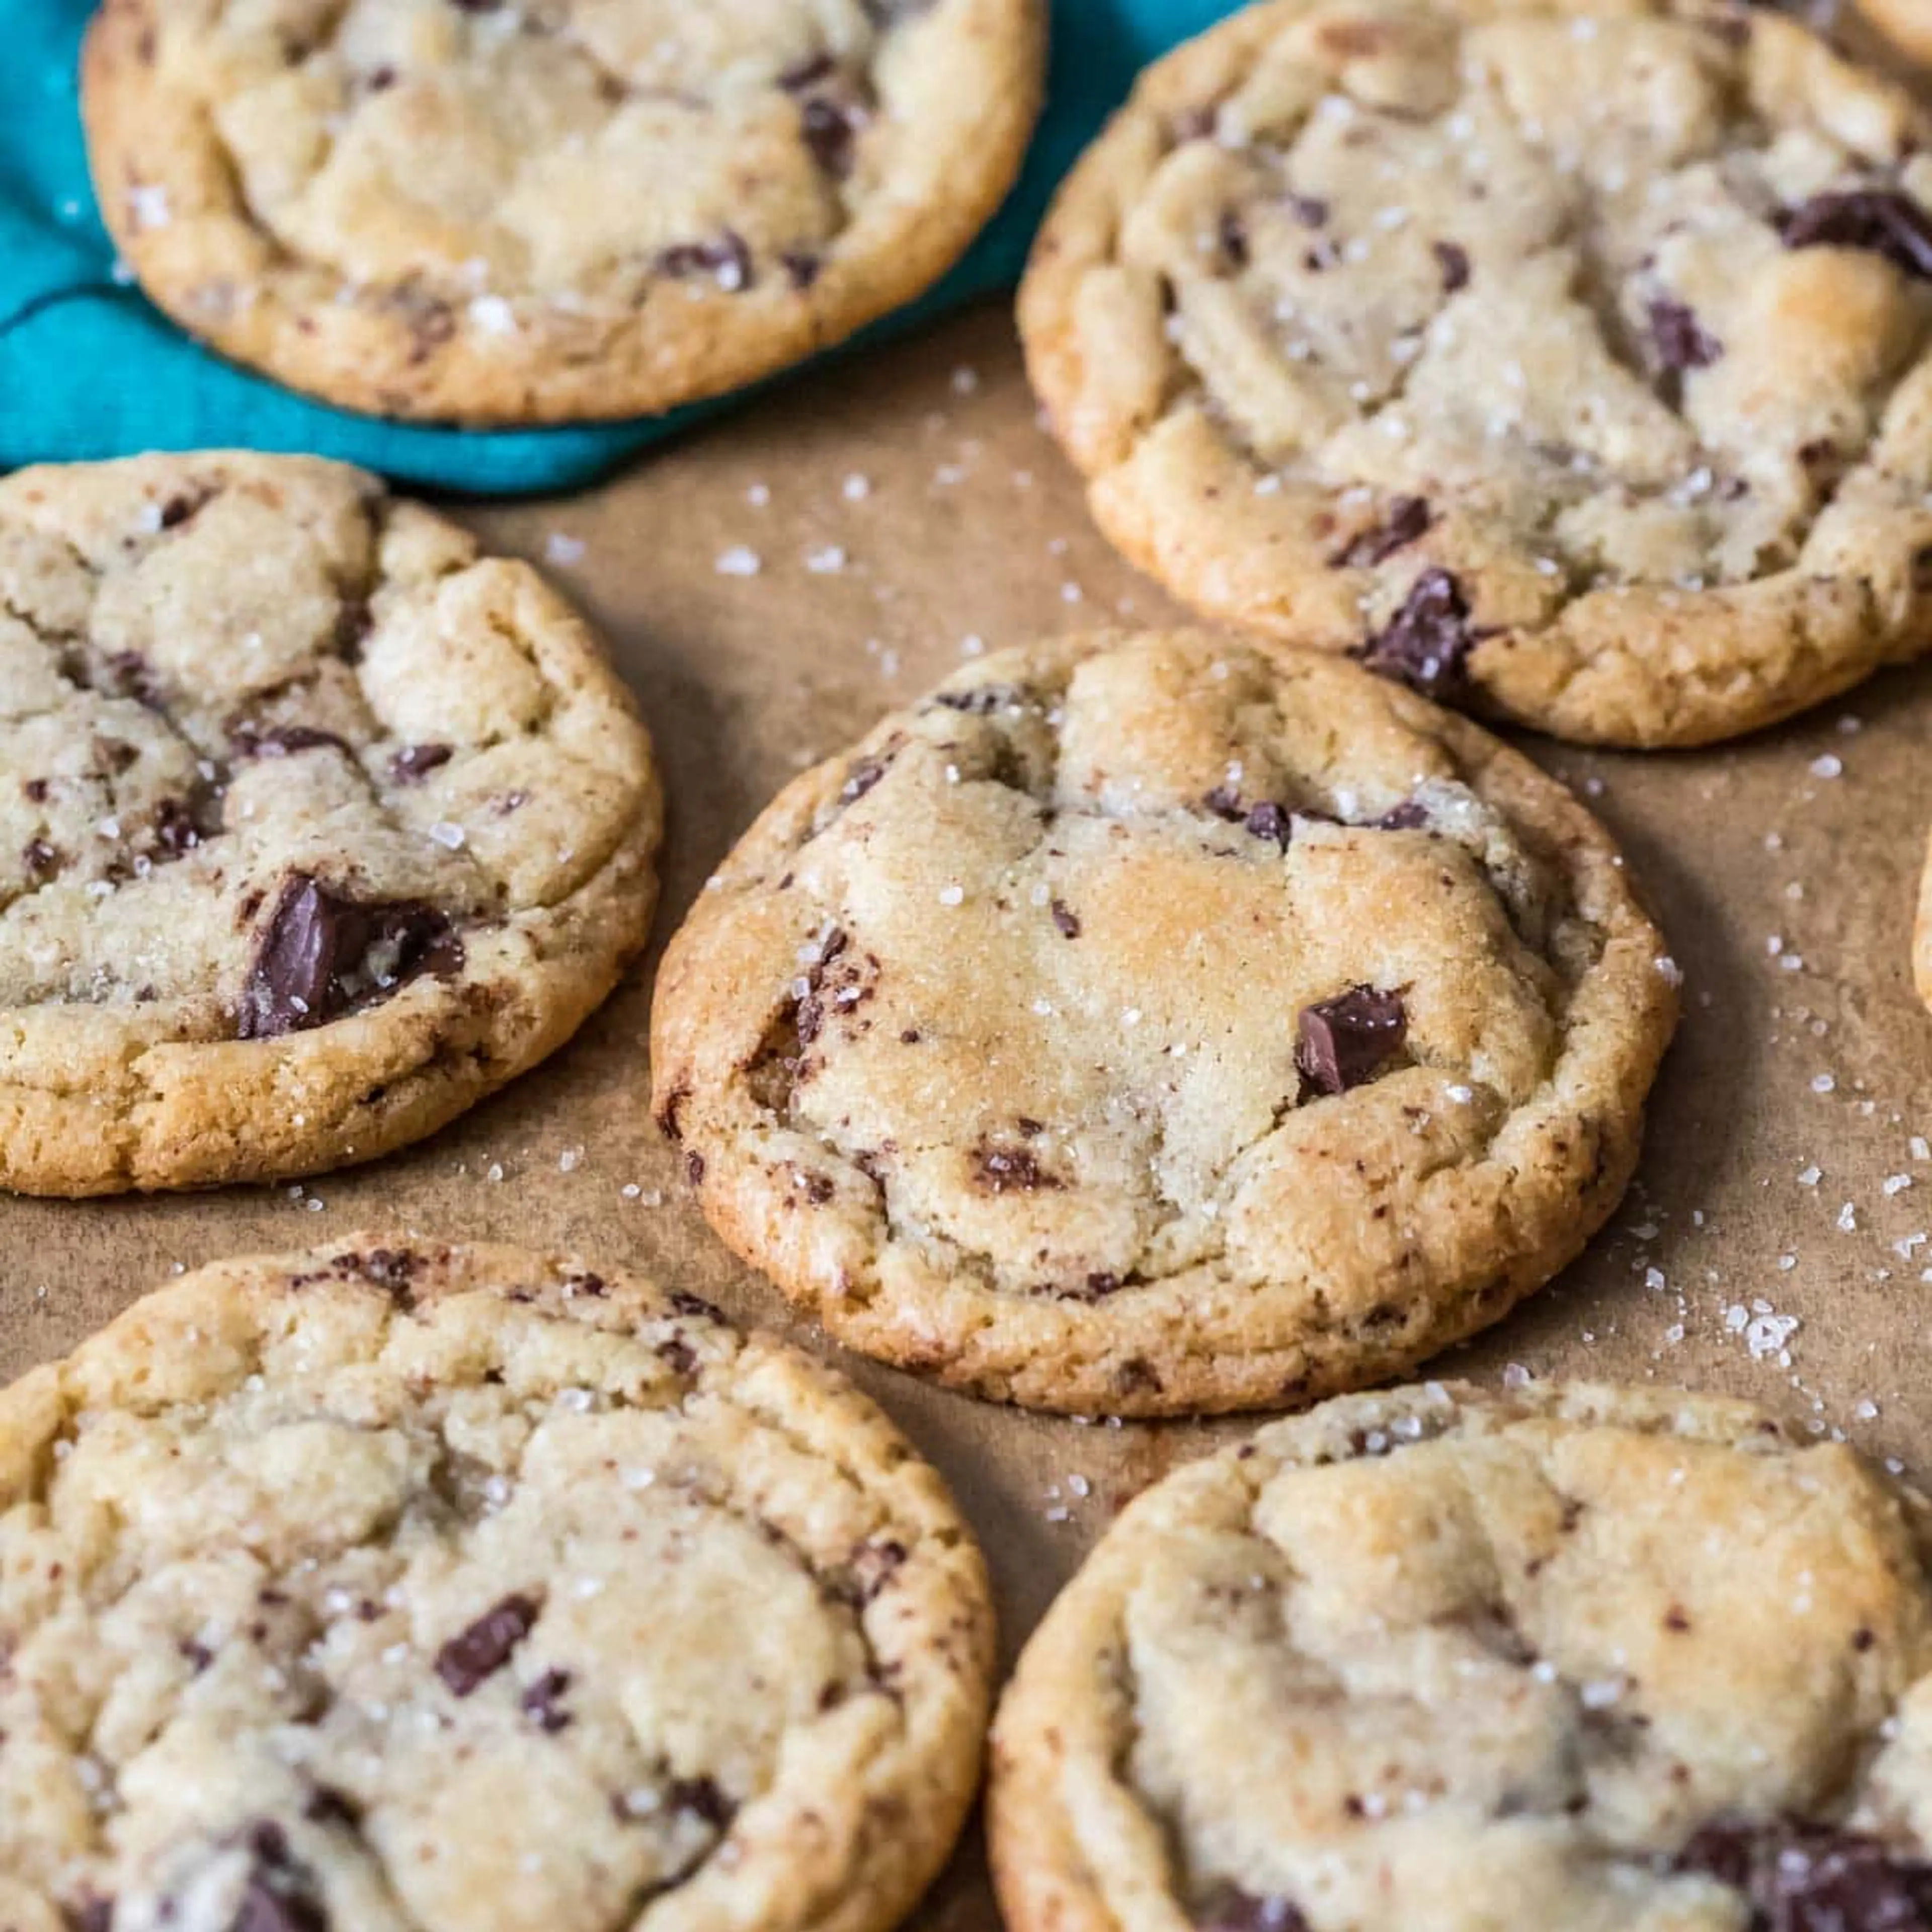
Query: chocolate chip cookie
[[1587, 1658], [1571, 361], [473, 211], [391, 1586], [315, 827], [1147, 1024]]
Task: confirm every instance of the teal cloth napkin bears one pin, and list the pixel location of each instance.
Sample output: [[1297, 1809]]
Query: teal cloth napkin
[[88, 369]]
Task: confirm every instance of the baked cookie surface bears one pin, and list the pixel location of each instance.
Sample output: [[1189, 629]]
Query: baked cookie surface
[[1573, 362], [395, 1587], [1907, 24], [555, 210], [315, 827], [1143, 1025], [1434, 1660]]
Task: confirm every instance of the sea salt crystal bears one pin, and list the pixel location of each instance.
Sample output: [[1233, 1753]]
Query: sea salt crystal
[[739, 561]]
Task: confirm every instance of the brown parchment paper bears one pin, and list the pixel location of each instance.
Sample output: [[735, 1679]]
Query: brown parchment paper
[[904, 504]]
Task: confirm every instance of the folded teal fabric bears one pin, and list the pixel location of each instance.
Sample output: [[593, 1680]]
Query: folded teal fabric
[[89, 369]]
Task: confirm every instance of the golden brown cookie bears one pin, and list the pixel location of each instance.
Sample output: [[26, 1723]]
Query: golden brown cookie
[[1572, 361], [394, 1587], [315, 826], [1592, 1659], [558, 209], [1143, 1025]]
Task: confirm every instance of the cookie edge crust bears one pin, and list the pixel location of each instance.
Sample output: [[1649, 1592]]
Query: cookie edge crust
[[1048, 1715], [899, 1852], [683, 344], [79, 1118], [1760, 651], [1078, 1371]]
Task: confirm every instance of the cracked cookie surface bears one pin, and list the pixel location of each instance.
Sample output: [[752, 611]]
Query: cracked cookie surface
[[1437, 1660], [1143, 1025], [551, 210], [398, 1588], [315, 827], [1572, 361]]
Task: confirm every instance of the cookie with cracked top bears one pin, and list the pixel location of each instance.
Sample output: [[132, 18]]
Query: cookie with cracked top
[[564, 209], [392, 1586], [1148, 1025], [1573, 362], [315, 826], [1596, 1659]]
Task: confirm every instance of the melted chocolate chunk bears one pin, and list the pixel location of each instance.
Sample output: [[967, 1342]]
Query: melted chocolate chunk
[[1801, 1877], [829, 131], [1681, 340], [39, 858], [983, 700], [322, 954], [1004, 1169], [417, 761], [1229, 1909], [1426, 643], [1408, 517], [1882, 220], [1066, 919], [93, 1914], [278, 1895], [479, 1652], [802, 74], [1343, 1042], [1269, 820], [801, 267], [1234, 240], [860, 779], [695, 1305], [1453, 260], [1403, 818], [175, 831], [703, 1798], [1311, 211], [540, 1702], [727, 258], [282, 741]]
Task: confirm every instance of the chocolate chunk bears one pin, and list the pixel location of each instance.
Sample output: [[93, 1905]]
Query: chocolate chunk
[[93, 1914], [829, 131], [1224, 802], [703, 1798], [392, 1270], [1003, 1169], [1681, 340], [1343, 1042], [801, 267], [727, 259], [479, 1652], [1229, 1909], [1403, 818], [1407, 519], [1882, 220], [174, 828], [983, 700], [267, 1907], [1268, 820], [39, 858], [1453, 260], [37, 790], [1426, 643], [1801, 1877], [326, 1805], [1311, 211], [416, 761], [1234, 240], [802, 74], [695, 1306], [1066, 919], [283, 741], [322, 954], [540, 1701], [861, 778]]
